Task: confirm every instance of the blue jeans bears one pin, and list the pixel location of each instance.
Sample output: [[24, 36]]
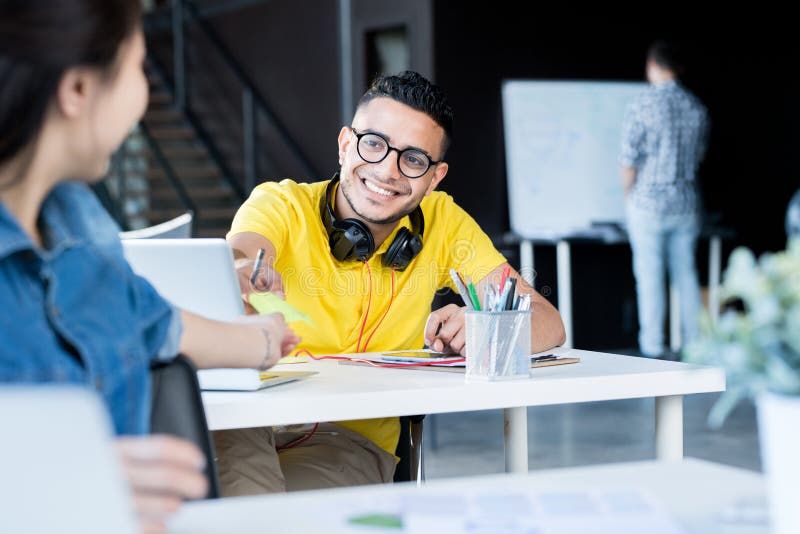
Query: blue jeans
[[657, 240]]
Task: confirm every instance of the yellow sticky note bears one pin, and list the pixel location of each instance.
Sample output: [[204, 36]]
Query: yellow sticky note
[[291, 358], [271, 303]]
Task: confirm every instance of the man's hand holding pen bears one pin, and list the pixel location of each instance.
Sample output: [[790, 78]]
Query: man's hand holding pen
[[257, 276], [444, 331]]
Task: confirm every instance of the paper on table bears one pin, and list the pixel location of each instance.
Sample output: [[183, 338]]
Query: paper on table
[[619, 510], [518, 508], [271, 303]]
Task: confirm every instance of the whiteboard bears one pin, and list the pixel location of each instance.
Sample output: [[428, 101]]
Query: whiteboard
[[563, 141]]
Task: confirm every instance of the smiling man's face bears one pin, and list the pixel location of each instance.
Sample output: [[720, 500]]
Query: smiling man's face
[[379, 193]]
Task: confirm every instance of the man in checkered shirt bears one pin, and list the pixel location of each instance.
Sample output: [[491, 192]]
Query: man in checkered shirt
[[664, 139]]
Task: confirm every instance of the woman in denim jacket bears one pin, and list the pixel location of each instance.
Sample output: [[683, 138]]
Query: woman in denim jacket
[[71, 88]]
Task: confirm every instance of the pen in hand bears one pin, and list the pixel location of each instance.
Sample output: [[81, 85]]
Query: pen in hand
[[256, 268]]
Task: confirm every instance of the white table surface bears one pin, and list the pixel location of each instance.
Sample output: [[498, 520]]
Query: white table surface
[[345, 392], [701, 497]]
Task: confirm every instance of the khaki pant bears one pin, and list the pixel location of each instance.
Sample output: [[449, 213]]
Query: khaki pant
[[334, 456]]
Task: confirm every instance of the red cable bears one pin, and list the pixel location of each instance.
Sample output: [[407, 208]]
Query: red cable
[[297, 442], [454, 359], [391, 299], [361, 360], [364, 349]]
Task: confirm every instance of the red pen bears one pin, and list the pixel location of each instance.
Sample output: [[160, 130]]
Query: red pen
[[504, 277]]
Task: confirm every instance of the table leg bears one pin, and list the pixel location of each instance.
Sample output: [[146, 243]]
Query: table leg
[[564, 268], [714, 267], [526, 265], [515, 429], [669, 427]]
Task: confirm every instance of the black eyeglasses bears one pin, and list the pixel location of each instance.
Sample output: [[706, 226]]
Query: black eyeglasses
[[373, 148]]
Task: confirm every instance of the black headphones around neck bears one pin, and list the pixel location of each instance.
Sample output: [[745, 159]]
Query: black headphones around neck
[[350, 239]]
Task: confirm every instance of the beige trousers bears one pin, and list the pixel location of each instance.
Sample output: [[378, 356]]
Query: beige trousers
[[249, 463]]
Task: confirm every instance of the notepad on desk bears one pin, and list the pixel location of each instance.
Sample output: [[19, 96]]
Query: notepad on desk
[[422, 356], [246, 379], [434, 361]]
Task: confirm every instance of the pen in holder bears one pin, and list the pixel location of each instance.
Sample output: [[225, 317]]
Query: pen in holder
[[498, 345]]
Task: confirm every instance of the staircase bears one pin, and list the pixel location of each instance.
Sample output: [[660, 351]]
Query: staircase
[[208, 153], [215, 201]]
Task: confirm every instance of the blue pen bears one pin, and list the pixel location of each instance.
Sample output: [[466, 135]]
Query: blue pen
[[490, 298]]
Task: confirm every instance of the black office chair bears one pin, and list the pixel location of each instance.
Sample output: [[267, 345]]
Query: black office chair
[[409, 450], [177, 410]]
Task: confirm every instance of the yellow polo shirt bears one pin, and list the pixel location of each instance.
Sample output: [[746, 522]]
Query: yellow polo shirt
[[335, 294]]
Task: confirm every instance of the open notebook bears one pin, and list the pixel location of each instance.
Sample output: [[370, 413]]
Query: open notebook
[[198, 275], [247, 379], [428, 360]]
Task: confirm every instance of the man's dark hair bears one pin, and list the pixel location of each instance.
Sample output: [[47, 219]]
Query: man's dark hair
[[417, 92], [667, 55]]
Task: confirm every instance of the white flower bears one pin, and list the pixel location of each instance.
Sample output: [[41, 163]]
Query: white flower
[[758, 345]]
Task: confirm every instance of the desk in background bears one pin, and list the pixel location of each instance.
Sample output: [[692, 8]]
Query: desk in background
[[612, 236]]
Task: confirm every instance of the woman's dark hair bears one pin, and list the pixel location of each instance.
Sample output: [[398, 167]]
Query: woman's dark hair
[[39, 40], [414, 90]]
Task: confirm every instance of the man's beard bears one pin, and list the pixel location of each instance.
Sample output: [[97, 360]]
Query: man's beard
[[388, 220]]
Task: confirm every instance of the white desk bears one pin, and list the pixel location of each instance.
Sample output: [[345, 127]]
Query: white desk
[[699, 496], [345, 392]]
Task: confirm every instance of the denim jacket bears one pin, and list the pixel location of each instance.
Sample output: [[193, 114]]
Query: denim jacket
[[74, 311]]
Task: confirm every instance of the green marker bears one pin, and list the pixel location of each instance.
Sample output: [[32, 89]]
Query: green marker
[[474, 296], [377, 520]]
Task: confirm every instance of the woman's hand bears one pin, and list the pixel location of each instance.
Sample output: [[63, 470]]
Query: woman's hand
[[255, 341], [162, 472], [279, 339]]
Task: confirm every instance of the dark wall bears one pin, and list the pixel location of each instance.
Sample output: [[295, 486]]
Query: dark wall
[[291, 50], [747, 82], [741, 66]]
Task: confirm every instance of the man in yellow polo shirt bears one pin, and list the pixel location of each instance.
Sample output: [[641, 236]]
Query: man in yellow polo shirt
[[363, 255]]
